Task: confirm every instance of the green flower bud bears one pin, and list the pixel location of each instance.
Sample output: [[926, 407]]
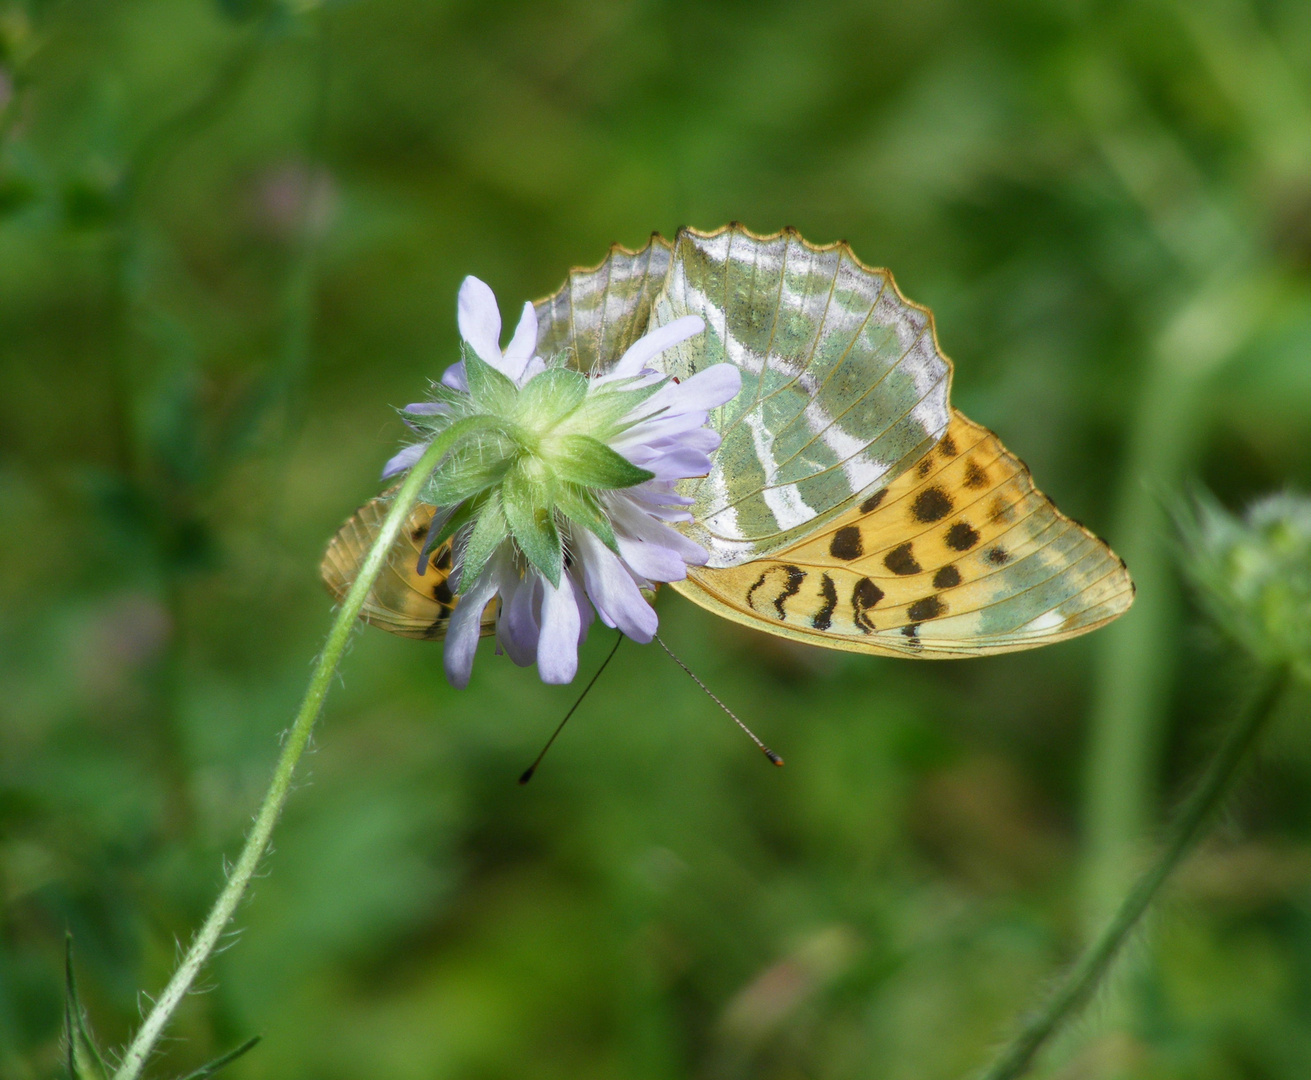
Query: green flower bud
[[1254, 574]]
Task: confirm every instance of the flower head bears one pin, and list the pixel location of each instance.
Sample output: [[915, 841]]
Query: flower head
[[1254, 574], [557, 490]]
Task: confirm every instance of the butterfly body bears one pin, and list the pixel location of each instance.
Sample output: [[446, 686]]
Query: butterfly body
[[848, 506]]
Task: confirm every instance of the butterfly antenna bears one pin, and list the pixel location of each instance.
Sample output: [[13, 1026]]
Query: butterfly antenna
[[528, 772], [773, 757]]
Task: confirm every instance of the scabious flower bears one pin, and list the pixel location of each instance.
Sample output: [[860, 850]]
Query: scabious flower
[[558, 488]]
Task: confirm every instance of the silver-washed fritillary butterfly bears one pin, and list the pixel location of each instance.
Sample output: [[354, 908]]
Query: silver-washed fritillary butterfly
[[849, 505]]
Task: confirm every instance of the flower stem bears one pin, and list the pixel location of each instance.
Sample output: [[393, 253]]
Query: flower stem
[[1079, 984], [296, 740]]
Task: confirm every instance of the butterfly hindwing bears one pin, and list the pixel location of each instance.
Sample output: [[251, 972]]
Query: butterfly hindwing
[[843, 384], [959, 556], [402, 600]]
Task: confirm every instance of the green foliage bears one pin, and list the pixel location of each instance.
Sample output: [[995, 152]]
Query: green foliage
[[84, 1060], [1105, 207]]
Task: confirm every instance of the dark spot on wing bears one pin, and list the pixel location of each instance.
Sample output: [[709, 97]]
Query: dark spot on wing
[[975, 476], [1000, 510], [946, 578], [824, 616], [925, 467], [999, 556], [931, 504], [442, 560], [901, 560], [846, 544], [795, 577], [912, 634], [962, 536], [441, 592], [928, 608], [755, 585], [947, 446], [419, 533], [872, 503], [863, 597]]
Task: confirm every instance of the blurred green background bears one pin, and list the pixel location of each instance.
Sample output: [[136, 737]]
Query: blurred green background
[[230, 238]]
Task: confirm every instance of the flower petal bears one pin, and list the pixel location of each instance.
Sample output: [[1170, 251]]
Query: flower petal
[[480, 320], [455, 378], [669, 464], [632, 520], [557, 647], [465, 627], [654, 343], [659, 492], [611, 588], [517, 626], [654, 562], [707, 389], [520, 349], [399, 463], [535, 366], [654, 424], [585, 612]]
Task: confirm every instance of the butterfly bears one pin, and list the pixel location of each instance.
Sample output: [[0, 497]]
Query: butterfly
[[848, 506]]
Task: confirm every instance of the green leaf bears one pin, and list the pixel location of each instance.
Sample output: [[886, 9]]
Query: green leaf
[[489, 533], [581, 507], [601, 413], [479, 463], [580, 459], [84, 1061], [490, 389], [550, 397], [206, 1071], [468, 428], [528, 509], [458, 520]]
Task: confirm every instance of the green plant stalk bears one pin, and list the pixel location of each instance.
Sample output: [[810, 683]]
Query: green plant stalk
[[1084, 978], [257, 840]]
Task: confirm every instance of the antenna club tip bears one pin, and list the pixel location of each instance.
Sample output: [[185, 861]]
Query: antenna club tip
[[773, 757], [527, 775]]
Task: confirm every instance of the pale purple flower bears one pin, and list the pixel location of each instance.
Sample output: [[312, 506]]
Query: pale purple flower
[[663, 434]]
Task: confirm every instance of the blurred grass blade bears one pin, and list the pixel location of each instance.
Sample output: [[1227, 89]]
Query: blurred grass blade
[[84, 1060], [218, 1063]]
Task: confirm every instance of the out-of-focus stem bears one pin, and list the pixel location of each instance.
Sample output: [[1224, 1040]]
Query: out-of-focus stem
[[297, 738], [1084, 978], [1135, 664]]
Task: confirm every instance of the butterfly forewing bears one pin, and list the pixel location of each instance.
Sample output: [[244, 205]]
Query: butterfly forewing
[[843, 385], [959, 556], [402, 600], [599, 312]]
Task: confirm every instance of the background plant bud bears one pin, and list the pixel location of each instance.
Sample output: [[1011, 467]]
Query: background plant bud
[[1254, 574]]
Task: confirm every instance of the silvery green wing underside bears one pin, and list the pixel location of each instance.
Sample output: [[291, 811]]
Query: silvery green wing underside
[[599, 312], [843, 386]]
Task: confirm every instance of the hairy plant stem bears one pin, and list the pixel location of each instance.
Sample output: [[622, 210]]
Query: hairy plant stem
[[297, 738], [1083, 979]]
